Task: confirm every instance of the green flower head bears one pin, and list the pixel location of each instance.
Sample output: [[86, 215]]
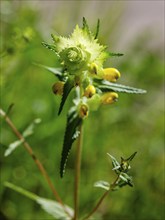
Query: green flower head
[[80, 51]]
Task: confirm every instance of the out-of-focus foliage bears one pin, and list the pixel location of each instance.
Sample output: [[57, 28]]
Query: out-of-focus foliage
[[135, 123]]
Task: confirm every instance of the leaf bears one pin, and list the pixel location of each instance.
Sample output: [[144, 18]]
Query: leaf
[[115, 163], [53, 208], [58, 72], [105, 85], [115, 54], [69, 84], [131, 157], [97, 29], [71, 134], [126, 178], [102, 184], [49, 46], [29, 131], [12, 147], [9, 108], [86, 27]]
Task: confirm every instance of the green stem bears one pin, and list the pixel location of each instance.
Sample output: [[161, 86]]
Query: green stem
[[97, 205], [101, 199], [77, 173]]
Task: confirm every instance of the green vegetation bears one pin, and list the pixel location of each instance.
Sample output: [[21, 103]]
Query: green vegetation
[[134, 123]]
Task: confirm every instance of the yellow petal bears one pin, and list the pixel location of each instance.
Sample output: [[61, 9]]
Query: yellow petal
[[109, 98], [111, 74], [90, 91]]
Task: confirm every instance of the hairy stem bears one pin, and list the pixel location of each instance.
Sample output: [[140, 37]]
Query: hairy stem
[[77, 173], [34, 157]]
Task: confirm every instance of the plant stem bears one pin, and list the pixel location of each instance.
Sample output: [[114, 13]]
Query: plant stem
[[77, 173], [32, 154], [97, 205], [101, 199]]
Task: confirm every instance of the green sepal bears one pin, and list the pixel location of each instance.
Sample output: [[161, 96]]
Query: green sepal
[[69, 84], [106, 86], [58, 72], [71, 134], [49, 46]]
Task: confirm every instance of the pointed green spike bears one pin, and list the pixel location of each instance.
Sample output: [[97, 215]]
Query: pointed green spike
[[115, 54], [131, 157], [97, 29]]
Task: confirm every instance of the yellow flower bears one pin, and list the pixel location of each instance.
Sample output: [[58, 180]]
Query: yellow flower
[[109, 98], [111, 74], [90, 91]]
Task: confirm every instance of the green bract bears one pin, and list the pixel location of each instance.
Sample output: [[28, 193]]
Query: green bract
[[79, 51]]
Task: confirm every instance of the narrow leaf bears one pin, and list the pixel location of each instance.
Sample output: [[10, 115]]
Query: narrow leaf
[[102, 184], [115, 163], [69, 84], [125, 178], [56, 71], [49, 46], [12, 147], [85, 26], [9, 108], [71, 134], [97, 29], [105, 85], [53, 208], [115, 54], [131, 157], [28, 131]]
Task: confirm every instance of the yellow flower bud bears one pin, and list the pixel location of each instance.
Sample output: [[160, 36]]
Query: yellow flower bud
[[58, 88], [93, 68], [89, 91], [111, 74], [109, 98], [83, 111]]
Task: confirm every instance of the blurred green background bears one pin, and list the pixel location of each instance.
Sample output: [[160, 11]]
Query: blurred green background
[[135, 123]]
